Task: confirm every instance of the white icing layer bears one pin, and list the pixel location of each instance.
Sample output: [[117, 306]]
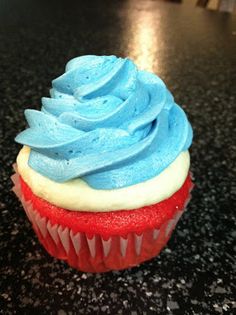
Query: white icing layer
[[77, 195]]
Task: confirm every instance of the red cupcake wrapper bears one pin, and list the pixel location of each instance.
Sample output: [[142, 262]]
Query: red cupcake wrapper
[[95, 253]]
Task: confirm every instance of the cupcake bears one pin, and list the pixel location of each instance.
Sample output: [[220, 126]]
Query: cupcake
[[103, 174]]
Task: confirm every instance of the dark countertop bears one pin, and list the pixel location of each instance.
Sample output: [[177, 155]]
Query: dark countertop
[[193, 51]]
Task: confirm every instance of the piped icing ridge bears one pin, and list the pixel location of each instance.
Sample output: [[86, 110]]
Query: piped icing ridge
[[106, 122]]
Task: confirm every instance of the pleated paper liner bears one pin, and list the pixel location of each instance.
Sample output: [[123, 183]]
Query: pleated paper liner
[[93, 252]]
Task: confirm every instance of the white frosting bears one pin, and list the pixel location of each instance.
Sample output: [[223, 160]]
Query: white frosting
[[77, 195]]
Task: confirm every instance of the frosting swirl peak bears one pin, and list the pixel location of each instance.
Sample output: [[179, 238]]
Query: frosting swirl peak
[[106, 122]]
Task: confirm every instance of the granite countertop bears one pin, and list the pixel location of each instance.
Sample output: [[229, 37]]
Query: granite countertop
[[193, 51]]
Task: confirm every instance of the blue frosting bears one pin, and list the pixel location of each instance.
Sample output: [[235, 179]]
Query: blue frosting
[[106, 122]]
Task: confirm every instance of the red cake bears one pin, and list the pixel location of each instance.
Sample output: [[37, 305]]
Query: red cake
[[103, 241]]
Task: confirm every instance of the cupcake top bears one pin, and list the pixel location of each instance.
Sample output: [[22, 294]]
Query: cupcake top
[[107, 123]]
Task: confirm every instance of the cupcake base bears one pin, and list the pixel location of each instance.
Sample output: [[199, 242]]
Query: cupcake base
[[94, 251]]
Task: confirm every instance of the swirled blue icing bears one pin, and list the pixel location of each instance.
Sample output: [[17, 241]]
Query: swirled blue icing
[[106, 122]]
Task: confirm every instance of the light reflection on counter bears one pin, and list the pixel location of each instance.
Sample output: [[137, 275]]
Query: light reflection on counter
[[144, 34]]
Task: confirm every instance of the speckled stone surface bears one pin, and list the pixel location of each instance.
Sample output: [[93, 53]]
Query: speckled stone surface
[[193, 50]]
